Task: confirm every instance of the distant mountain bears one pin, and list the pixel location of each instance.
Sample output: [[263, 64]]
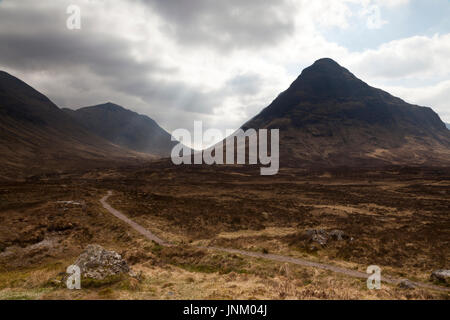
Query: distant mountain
[[447, 125], [125, 128], [36, 136], [328, 117]]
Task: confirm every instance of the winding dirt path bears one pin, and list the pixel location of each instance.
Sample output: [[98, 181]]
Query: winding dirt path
[[146, 233], [273, 257]]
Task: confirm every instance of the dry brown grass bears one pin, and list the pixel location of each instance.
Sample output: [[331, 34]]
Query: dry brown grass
[[399, 221]]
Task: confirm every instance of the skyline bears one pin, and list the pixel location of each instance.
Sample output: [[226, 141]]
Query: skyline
[[222, 63]]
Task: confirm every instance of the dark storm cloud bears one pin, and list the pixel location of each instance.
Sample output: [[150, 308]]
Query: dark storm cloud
[[226, 24], [97, 64], [36, 40]]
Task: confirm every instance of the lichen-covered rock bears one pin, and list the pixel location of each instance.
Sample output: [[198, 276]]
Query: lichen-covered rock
[[322, 237], [315, 239], [442, 276], [98, 263], [318, 236]]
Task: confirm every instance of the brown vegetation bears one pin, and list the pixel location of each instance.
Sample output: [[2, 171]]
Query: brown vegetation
[[398, 219]]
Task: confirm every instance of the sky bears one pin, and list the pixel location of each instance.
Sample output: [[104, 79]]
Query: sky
[[221, 62]]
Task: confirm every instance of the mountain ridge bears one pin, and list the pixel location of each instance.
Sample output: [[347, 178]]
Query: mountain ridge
[[329, 117], [125, 128], [39, 137]]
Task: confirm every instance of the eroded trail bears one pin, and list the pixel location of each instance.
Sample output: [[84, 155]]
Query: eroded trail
[[273, 257]]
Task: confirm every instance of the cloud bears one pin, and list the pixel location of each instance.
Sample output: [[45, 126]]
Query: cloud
[[90, 58], [373, 16], [417, 56], [225, 24], [216, 61]]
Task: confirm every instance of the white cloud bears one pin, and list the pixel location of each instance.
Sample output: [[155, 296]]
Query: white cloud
[[152, 60], [419, 56], [373, 16]]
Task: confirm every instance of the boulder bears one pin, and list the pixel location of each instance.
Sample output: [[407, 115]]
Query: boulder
[[98, 263], [318, 236], [442, 276], [322, 237], [406, 284], [338, 235], [315, 239]]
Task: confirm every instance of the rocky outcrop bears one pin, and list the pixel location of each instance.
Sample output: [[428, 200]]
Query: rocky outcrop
[[322, 237], [98, 263], [315, 239], [317, 236]]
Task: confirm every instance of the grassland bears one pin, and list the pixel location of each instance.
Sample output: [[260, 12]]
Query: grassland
[[398, 219]]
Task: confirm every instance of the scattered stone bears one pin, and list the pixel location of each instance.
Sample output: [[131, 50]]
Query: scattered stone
[[98, 263], [406, 284], [69, 203], [66, 205], [442, 276], [318, 236], [338, 235], [322, 237]]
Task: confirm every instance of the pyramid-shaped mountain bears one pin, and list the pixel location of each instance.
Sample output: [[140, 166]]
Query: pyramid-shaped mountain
[[329, 117]]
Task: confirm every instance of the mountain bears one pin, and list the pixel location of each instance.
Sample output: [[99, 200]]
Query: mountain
[[328, 117], [447, 125], [36, 136], [125, 128]]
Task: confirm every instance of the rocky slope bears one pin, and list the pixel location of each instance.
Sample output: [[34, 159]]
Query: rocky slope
[[328, 117], [36, 136], [125, 128]]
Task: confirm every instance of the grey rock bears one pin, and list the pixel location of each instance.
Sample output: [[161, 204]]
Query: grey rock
[[98, 263], [338, 235], [322, 237], [442, 276], [406, 284], [318, 236]]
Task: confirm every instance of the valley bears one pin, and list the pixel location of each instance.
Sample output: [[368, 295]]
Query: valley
[[397, 219], [363, 180]]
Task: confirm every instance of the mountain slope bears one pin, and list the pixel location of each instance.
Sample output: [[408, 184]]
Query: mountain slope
[[328, 117], [447, 125], [125, 128], [36, 136]]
